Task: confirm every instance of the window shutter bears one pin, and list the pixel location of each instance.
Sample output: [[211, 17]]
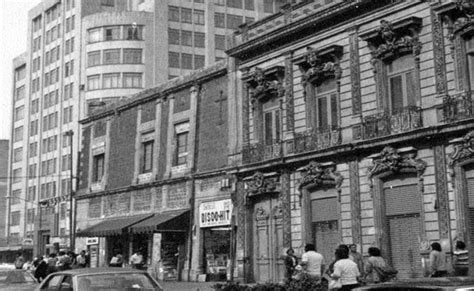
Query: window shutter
[[401, 200], [324, 209]]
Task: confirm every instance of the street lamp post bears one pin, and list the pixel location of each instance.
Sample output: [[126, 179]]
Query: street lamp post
[[72, 232]]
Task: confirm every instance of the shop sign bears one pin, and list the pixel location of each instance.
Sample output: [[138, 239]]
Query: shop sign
[[92, 241], [215, 213]]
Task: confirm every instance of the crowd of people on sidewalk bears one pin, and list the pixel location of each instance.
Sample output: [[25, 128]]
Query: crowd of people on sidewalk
[[350, 270]]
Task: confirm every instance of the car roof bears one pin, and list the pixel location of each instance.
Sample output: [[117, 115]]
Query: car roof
[[96, 271]]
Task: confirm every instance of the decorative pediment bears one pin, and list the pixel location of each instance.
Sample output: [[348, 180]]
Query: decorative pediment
[[463, 150], [391, 40], [459, 14], [390, 160], [265, 84], [315, 175], [319, 65], [260, 183]]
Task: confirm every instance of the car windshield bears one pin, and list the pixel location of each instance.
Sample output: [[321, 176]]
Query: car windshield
[[15, 277], [116, 282]]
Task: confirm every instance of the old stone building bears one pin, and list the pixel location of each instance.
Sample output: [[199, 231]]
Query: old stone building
[[355, 126]]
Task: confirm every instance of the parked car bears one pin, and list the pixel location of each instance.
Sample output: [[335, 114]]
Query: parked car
[[95, 279], [447, 283], [18, 280]]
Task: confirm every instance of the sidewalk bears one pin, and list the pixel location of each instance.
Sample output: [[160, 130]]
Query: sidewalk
[[187, 286]]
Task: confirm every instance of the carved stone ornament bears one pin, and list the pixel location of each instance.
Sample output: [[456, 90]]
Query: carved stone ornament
[[278, 211], [464, 150], [266, 84], [391, 161], [393, 40], [259, 184], [261, 214], [315, 175], [318, 66], [463, 17]]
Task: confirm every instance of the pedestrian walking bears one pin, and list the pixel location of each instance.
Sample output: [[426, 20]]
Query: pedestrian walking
[[437, 261], [52, 260], [41, 270], [312, 262], [19, 261], [345, 270], [290, 263], [356, 257], [461, 259], [373, 267]]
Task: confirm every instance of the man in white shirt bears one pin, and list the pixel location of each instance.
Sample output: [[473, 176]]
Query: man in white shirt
[[312, 262]]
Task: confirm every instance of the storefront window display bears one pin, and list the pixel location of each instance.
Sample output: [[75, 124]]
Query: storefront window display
[[217, 253]]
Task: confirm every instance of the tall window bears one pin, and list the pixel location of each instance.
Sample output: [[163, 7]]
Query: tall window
[[15, 218], [173, 36], [98, 167], [147, 156], [186, 38], [32, 171], [219, 20], [132, 56], [173, 59], [34, 127], [93, 82], [18, 134], [401, 83], [199, 39], [470, 59], [132, 80], [187, 61], [17, 155], [20, 93], [271, 122], [94, 35], [112, 33], [199, 61], [17, 175], [33, 150], [93, 58], [181, 148], [173, 13], [326, 103], [31, 193], [220, 42], [19, 113], [133, 32]]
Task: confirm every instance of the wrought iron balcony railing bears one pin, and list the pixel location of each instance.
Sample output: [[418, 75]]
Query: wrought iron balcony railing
[[259, 152], [388, 123], [315, 139], [457, 107]]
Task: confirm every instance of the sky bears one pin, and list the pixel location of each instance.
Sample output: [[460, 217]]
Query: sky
[[13, 19]]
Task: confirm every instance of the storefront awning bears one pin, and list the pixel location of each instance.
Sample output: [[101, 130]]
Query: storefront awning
[[112, 227], [169, 221]]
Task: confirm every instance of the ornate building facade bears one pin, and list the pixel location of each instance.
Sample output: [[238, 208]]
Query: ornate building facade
[[356, 125]]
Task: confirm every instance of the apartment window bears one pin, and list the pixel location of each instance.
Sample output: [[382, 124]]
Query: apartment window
[[16, 194], [68, 24], [19, 113], [17, 175], [173, 13], [187, 61], [199, 61], [66, 140], [93, 58], [112, 33], [401, 83], [326, 104], [30, 216], [198, 16], [234, 3], [112, 56], [33, 150], [69, 68], [110, 81], [173, 59], [268, 6], [469, 46], [199, 39], [98, 167], [66, 163], [31, 193], [219, 20], [17, 155], [94, 35], [20, 93], [50, 121], [107, 3], [46, 79], [71, 47], [132, 80], [220, 42], [186, 38], [186, 15], [133, 32], [147, 156], [173, 36], [233, 21], [34, 127], [181, 143], [67, 115], [32, 171], [67, 94], [20, 73], [271, 125], [249, 5], [73, 20], [15, 218], [18, 134], [50, 144], [65, 186], [93, 82], [132, 56]]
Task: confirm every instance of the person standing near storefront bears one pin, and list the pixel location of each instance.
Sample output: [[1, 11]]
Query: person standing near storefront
[[312, 262], [438, 261], [136, 260], [461, 259], [290, 263], [116, 261]]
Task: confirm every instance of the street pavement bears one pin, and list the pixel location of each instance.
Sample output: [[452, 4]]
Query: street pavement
[[187, 286]]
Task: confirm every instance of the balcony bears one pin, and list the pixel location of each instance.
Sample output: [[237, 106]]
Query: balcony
[[386, 123], [314, 139], [259, 152], [457, 107]]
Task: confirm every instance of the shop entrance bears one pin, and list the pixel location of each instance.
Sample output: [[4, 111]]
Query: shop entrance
[[268, 241], [402, 205], [117, 245], [172, 254], [217, 253]]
